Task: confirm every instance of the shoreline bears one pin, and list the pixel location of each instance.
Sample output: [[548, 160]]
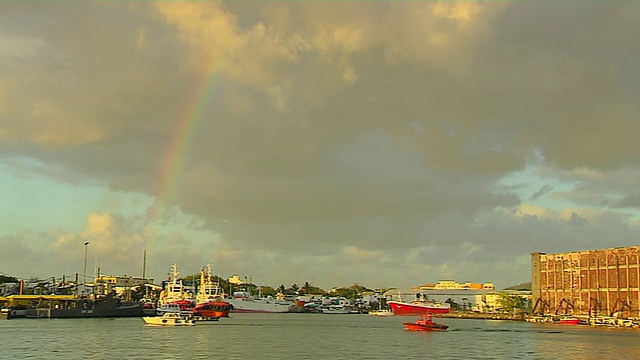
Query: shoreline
[[480, 316]]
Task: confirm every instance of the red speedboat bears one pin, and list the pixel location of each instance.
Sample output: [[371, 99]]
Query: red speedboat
[[425, 323]]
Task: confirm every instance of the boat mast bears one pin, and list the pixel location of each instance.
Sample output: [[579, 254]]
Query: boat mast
[[144, 265], [144, 274]]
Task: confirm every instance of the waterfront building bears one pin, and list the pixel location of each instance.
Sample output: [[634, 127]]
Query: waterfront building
[[454, 285], [107, 283], [592, 283], [236, 280]]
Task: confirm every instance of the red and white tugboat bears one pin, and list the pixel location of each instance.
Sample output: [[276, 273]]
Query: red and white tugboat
[[209, 300]]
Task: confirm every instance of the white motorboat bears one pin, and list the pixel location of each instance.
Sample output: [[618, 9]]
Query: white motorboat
[[385, 312], [168, 319], [380, 311]]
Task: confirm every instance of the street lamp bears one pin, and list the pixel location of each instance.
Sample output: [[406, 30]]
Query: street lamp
[[84, 274]]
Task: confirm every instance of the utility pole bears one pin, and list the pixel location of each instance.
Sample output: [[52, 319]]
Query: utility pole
[[84, 274]]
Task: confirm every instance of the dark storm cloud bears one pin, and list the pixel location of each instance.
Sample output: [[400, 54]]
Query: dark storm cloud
[[363, 132], [629, 201]]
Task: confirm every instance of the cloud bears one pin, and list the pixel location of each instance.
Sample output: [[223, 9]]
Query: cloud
[[334, 139], [544, 190], [629, 201]]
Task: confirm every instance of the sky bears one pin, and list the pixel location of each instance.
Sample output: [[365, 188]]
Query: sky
[[388, 144]]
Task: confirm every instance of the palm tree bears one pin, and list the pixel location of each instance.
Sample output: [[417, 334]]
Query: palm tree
[[306, 288], [281, 289], [295, 288]]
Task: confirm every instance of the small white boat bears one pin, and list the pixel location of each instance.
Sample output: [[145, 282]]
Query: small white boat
[[385, 312], [168, 319]]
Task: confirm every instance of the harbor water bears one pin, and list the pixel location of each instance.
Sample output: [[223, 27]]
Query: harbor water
[[311, 336]]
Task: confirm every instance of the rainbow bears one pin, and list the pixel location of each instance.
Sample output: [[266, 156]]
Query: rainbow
[[192, 111]]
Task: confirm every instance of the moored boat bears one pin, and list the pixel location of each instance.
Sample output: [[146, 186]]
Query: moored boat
[[242, 301], [425, 323], [382, 312], [209, 299], [569, 320], [540, 319], [418, 307], [174, 291], [11, 312], [85, 307], [148, 308], [215, 309], [175, 298], [169, 319], [182, 307]]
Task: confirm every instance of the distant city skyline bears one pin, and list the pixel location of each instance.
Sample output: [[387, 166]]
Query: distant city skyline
[[389, 144]]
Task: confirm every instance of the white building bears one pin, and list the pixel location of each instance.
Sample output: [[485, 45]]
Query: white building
[[106, 284], [236, 280]]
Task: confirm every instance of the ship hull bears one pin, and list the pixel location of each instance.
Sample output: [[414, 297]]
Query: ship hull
[[106, 307], [13, 312], [423, 327], [213, 309], [133, 311], [259, 310], [402, 308], [569, 321], [248, 306]]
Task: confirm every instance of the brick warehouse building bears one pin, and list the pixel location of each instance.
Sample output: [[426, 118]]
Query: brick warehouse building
[[593, 282]]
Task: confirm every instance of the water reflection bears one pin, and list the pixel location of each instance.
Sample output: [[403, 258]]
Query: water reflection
[[294, 336], [585, 342]]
